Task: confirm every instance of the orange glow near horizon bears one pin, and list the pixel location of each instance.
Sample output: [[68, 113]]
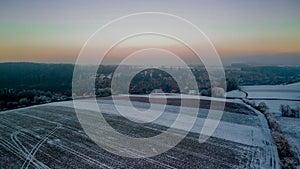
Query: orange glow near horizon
[[50, 31], [54, 54], [61, 54]]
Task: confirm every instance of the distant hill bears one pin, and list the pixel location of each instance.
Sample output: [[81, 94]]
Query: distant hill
[[52, 77], [286, 59], [58, 77]]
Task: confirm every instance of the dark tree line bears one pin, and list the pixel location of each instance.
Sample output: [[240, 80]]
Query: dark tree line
[[12, 98], [144, 83], [27, 80], [52, 77], [24, 84], [268, 75]]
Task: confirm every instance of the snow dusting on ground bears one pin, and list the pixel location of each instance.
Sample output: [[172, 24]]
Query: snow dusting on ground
[[274, 96], [32, 136]]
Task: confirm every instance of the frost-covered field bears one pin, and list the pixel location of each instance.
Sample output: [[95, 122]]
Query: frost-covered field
[[291, 91], [50, 136], [274, 96]]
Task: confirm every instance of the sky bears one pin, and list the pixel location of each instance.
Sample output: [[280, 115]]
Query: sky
[[55, 31]]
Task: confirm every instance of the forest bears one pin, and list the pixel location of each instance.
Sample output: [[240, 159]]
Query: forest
[[25, 84]]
